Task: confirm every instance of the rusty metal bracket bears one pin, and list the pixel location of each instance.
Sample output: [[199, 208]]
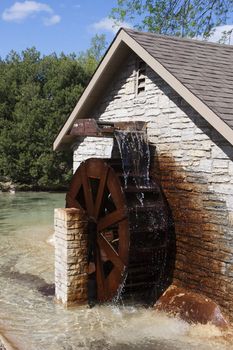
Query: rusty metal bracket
[[92, 127]]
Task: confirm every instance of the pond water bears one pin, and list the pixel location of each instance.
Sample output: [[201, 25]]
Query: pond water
[[30, 318]]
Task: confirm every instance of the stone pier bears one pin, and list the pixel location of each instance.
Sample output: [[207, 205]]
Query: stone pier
[[71, 276]]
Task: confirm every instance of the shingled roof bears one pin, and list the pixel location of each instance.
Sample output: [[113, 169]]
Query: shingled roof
[[201, 72], [204, 68]]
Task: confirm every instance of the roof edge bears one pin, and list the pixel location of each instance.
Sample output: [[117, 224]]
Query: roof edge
[[178, 38], [95, 77], [124, 36]]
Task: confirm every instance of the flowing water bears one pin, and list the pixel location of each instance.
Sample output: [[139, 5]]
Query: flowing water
[[30, 318], [135, 155]]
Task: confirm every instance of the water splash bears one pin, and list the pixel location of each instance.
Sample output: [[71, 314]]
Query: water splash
[[118, 297], [32, 321]]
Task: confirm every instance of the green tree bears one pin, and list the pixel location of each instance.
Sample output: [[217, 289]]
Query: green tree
[[186, 18], [98, 46], [91, 58], [36, 96]]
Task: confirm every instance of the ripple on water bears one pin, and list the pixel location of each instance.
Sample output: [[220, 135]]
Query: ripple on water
[[33, 321]]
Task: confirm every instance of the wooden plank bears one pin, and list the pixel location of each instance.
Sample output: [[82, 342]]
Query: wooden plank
[[113, 282], [100, 193], [87, 192], [101, 288], [111, 219], [75, 184], [91, 127], [110, 252], [72, 203], [85, 127]]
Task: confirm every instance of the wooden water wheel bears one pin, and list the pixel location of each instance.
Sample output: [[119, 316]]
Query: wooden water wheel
[[129, 241]]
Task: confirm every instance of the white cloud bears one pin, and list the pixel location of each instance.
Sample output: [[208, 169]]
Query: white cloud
[[50, 21], [20, 11], [218, 33], [109, 25]]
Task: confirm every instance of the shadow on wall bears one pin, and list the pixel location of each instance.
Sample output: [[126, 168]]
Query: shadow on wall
[[171, 249], [203, 256]]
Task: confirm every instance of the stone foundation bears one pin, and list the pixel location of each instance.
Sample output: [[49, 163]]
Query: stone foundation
[[70, 256]]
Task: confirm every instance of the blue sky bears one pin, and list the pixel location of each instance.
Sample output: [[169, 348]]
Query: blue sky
[[53, 25], [57, 25]]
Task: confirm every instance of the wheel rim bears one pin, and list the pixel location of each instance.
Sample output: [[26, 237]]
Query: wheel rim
[[96, 189]]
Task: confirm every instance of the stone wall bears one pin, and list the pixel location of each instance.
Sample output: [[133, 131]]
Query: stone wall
[[194, 164], [70, 256], [88, 148]]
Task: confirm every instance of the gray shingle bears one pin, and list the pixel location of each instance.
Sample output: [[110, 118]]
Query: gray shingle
[[206, 69]]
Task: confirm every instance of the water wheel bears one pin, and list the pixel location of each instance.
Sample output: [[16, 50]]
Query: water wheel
[[129, 239]]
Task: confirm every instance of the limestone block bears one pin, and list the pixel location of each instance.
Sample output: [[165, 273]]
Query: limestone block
[[223, 189], [219, 163], [187, 134], [164, 101], [231, 169], [200, 136], [217, 152], [220, 178], [176, 124], [76, 244], [205, 165], [69, 214], [200, 153], [203, 145], [70, 255], [221, 171]]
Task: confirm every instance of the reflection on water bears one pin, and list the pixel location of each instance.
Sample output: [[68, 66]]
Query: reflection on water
[[31, 319]]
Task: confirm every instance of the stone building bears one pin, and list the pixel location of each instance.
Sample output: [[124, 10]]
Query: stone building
[[183, 90]]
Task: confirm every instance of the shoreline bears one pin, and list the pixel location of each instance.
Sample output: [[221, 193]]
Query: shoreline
[[34, 189], [7, 186]]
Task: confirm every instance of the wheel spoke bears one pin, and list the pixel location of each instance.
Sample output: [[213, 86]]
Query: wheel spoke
[[100, 193], [75, 184], [101, 287], [87, 192], [114, 187], [113, 282], [110, 252], [72, 203], [111, 219]]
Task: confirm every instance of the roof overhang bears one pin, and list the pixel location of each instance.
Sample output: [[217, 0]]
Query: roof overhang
[[119, 50]]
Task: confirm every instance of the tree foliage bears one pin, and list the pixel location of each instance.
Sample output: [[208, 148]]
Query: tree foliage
[[36, 96], [186, 18]]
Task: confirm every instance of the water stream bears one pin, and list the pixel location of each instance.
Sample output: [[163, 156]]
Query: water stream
[[135, 155], [31, 319]]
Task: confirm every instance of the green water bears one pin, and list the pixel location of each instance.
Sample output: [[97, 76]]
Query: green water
[[29, 316]]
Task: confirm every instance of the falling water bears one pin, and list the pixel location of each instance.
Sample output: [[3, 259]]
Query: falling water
[[135, 156], [118, 297]]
